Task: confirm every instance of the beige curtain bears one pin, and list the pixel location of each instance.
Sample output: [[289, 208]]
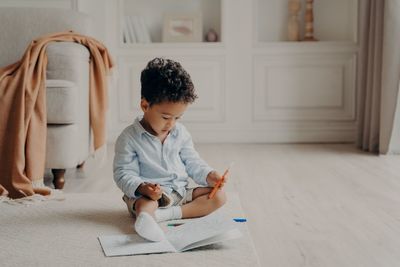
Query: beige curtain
[[369, 73], [378, 76], [389, 142]]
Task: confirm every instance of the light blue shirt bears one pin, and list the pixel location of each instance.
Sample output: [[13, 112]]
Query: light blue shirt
[[141, 157]]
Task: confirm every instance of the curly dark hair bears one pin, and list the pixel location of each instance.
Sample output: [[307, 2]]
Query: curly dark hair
[[164, 80]]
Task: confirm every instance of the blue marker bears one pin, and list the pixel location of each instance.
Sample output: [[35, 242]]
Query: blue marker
[[240, 219], [174, 224]]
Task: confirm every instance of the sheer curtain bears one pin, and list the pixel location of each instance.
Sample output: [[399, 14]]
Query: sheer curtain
[[378, 76], [369, 73], [390, 111]]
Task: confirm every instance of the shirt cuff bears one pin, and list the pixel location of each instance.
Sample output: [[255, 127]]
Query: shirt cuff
[[133, 189], [203, 176]]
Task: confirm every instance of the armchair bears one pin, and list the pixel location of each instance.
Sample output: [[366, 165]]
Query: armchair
[[67, 82]]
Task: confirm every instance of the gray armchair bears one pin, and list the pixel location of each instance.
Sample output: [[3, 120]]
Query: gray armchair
[[67, 83]]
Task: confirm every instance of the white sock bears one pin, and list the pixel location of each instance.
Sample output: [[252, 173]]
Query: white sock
[[172, 213], [147, 227]]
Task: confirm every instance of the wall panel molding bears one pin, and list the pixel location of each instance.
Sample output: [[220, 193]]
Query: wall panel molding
[[304, 87], [207, 73]]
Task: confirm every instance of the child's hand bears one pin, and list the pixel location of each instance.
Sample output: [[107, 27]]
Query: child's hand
[[213, 177], [152, 191]]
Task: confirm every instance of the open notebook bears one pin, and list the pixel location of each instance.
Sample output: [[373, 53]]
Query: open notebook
[[207, 230]]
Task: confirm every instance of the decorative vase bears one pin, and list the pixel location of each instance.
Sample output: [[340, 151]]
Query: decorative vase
[[211, 36], [309, 22], [294, 7]]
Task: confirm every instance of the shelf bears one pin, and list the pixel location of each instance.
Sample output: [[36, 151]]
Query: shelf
[[202, 45], [312, 46], [333, 20], [153, 13], [173, 49]]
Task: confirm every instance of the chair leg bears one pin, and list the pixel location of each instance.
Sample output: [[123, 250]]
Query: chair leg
[[80, 166], [58, 179]]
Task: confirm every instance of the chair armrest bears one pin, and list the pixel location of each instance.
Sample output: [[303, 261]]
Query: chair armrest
[[67, 61]]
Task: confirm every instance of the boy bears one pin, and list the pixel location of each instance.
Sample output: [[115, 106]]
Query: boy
[[154, 157]]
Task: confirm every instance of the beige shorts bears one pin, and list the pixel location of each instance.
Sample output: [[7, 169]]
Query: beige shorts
[[166, 200], [179, 200]]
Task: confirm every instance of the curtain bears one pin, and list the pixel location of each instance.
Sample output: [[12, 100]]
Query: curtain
[[378, 76], [369, 73], [390, 111]]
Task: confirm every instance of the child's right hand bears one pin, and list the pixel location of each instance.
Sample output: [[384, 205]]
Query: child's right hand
[[152, 191], [214, 177]]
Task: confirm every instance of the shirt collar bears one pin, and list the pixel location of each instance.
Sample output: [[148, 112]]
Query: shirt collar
[[138, 127], [174, 131]]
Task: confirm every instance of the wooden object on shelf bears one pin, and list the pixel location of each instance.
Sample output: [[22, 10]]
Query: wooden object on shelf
[[294, 7], [309, 22]]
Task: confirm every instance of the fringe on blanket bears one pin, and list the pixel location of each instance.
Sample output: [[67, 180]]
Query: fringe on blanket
[[36, 198]]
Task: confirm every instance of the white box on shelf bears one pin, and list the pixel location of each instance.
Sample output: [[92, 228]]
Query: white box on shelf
[[183, 27]]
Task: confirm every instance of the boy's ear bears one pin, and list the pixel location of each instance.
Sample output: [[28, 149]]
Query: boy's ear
[[144, 105]]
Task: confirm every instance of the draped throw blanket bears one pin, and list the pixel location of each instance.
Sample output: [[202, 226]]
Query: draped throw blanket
[[23, 112]]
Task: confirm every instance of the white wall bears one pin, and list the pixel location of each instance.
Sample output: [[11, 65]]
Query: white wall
[[254, 86]]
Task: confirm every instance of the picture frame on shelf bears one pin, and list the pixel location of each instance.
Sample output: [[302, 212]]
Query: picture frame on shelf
[[183, 27]]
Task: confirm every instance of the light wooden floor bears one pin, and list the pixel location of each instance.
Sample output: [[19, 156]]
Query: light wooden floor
[[307, 205]]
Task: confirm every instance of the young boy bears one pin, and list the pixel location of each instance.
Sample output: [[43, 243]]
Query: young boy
[[154, 157]]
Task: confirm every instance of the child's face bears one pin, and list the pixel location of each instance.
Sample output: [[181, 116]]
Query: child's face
[[161, 118]]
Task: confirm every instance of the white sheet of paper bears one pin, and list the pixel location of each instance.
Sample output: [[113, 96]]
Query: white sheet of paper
[[194, 233], [231, 234], [120, 245]]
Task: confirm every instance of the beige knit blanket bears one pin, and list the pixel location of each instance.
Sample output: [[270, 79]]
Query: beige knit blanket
[[23, 112]]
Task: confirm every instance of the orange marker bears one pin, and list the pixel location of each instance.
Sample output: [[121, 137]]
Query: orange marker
[[219, 183]]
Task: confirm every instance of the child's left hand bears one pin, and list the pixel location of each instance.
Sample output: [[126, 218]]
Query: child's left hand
[[213, 177]]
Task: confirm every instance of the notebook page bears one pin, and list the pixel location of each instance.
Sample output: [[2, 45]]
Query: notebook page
[[121, 245], [199, 229], [231, 234]]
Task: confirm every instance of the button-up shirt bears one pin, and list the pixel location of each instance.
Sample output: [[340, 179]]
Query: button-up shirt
[[141, 157]]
